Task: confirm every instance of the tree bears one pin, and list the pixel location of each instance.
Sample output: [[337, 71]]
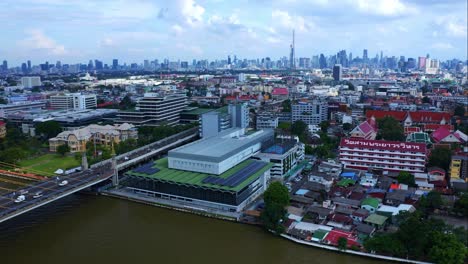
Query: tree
[[440, 157], [386, 244], [447, 249], [459, 111], [276, 197], [12, 155], [342, 243], [426, 100], [461, 205], [63, 149], [390, 129], [298, 128], [286, 126], [407, 178], [286, 104], [324, 125], [308, 150], [48, 129], [347, 126], [126, 103]]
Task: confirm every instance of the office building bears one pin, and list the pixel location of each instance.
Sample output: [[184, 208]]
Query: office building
[[239, 115], [365, 57], [311, 112], [73, 101], [267, 121], [432, 66], [30, 81], [381, 154], [421, 63], [155, 109], [115, 64], [214, 122], [337, 72]]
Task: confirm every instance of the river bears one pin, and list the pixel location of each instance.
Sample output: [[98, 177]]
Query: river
[[96, 229]]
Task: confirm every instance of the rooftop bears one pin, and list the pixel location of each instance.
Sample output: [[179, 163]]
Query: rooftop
[[374, 202], [221, 147], [196, 179], [376, 219]]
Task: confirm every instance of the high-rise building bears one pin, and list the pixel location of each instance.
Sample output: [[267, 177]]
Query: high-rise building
[[322, 62], [24, 68], [337, 72], [432, 66], [239, 115], [58, 65], [421, 63], [5, 65], [30, 81], [229, 60], [312, 112], [292, 58], [365, 58], [75, 101], [115, 64], [29, 66]]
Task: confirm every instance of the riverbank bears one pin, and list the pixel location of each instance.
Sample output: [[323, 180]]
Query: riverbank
[[359, 253], [234, 217]]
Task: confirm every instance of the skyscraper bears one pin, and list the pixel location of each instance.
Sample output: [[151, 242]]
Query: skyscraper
[[292, 63], [337, 72], [364, 55], [229, 59], [29, 65], [5, 65], [115, 64]]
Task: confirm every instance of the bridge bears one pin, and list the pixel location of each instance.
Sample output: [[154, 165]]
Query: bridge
[[43, 192]]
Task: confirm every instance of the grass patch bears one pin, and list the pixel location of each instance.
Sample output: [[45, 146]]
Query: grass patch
[[49, 163]]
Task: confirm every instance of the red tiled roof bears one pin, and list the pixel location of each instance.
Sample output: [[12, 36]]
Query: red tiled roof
[[280, 91], [339, 218], [440, 134], [432, 117], [377, 114], [383, 145], [333, 236], [433, 127], [409, 130]]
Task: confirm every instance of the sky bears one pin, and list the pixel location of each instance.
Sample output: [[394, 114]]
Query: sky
[[75, 31]]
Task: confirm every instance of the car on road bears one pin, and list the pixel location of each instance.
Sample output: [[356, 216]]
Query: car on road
[[23, 191], [37, 195], [20, 198], [63, 183]]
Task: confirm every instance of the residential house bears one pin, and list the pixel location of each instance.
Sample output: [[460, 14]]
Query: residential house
[[322, 178], [376, 220], [364, 231], [443, 135], [340, 221], [365, 130], [395, 197], [346, 202], [436, 174], [317, 214], [368, 180], [370, 204], [359, 215]]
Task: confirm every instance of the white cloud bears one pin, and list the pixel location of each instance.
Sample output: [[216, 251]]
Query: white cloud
[[385, 7], [37, 40], [106, 42], [287, 21], [442, 46], [457, 30], [192, 12], [177, 29]]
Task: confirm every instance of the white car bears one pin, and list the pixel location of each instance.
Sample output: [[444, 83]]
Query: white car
[[20, 198], [63, 183], [37, 195], [23, 191]]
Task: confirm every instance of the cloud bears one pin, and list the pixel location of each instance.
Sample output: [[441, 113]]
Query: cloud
[[106, 42], [442, 46], [287, 21], [385, 7], [37, 40], [177, 29], [192, 12]]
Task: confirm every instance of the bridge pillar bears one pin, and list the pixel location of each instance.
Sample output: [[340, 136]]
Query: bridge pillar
[[84, 161], [115, 176]]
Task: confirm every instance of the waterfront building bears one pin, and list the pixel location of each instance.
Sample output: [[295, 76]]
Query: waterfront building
[[311, 112], [214, 172], [101, 135], [155, 109], [73, 101], [381, 154], [30, 81]]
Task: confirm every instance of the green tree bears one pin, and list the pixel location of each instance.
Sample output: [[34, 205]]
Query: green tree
[[386, 244], [48, 129], [286, 126], [308, 150], [286, 105], [126, 103], [324, 125], [346, 126], [342, 243], [276, 198], [447, 249], [298, 128], [63, 149], [407, 178], [12, 155], [459, 111], [440, 157], [426, 100], [390, 129], [461, 205]]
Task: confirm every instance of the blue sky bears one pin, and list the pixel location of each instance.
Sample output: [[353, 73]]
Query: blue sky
[[133, 30]]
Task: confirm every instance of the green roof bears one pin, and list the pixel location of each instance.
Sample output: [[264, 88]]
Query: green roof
[[418, 137], [376, 219], [346, 182], [320, 234], [196, 178], [374, 202]]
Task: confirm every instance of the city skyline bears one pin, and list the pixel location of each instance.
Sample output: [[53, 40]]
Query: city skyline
[[76, 31]]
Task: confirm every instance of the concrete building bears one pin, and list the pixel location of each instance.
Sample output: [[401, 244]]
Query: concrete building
[[73, 101], [102, 135], [239, 115], [155, 109], [7, 109], [337, 72], [380, 154], [30, 81], [212, 123], [217, 154], [267, 121], [310, 112], [459, 168]]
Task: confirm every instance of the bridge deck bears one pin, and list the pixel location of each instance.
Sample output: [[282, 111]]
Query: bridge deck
[[51, 190]]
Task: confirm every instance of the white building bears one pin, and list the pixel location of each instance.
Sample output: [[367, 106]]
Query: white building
[[73, 101], [311, 113], [31, 81]]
